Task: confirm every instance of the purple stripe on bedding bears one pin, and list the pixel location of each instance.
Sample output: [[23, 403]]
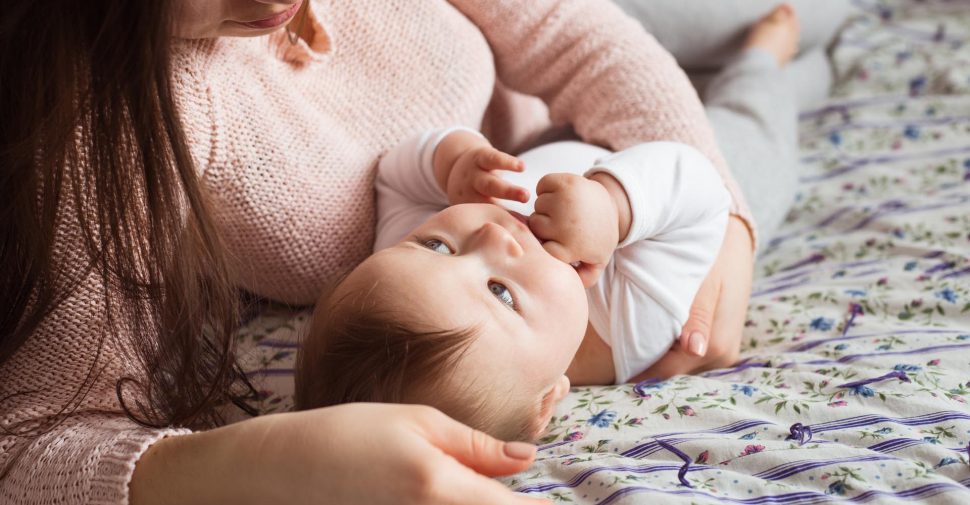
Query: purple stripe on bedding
[[795, 467], [763, 292], [868, 420], [585, 474], [895, 445], [843, 107], [920, 121], [800, 498], [853, 357], [849, 358], [864, 161], [815, 343]]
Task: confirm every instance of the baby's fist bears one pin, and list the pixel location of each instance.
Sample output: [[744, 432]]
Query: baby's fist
[[577, 219]]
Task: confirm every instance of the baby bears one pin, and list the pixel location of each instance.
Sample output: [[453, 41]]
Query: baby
[[479, 309]]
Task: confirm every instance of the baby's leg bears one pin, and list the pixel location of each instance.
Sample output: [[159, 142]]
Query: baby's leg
[[706, 34], [753, 107]]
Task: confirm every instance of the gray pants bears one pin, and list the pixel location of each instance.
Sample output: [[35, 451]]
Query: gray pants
[[751, 102]]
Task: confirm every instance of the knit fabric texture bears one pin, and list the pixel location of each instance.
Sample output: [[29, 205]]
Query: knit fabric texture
[[287, 138]]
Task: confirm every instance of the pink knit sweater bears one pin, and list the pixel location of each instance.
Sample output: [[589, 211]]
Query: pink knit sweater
[[287, 138]]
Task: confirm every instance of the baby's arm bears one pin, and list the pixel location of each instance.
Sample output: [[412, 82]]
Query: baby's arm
[[678, 218]]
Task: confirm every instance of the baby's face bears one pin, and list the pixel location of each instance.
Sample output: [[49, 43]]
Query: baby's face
[[476, 265]]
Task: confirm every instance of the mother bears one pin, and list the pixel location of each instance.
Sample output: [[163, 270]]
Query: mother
[[154, 162]]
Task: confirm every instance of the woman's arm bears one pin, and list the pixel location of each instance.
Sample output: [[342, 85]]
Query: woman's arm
[[355, 453]]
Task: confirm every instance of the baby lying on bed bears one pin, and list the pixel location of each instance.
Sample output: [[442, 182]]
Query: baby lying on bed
[[479, 311]]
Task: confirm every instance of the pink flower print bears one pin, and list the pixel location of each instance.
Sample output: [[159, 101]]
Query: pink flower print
[[702, 458], [686, 410], [933, 362], [840, 403], [752, 449], [666, 415], [574, 436]]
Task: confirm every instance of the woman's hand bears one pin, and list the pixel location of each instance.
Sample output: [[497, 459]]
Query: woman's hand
[[355, 453], [711, 338]]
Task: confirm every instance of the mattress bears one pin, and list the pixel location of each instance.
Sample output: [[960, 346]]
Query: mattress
[[856, 352]]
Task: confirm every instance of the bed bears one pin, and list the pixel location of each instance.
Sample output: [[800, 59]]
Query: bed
[[855, 368]]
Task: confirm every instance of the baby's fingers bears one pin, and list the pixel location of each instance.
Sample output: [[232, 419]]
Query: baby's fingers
[[559, 251], [496, 187], [493, 159], [543, 227]]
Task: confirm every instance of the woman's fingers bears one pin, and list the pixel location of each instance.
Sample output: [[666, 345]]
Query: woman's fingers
[[475, 449], [467, 488], [697, 329], [474, 456], [718, 313]]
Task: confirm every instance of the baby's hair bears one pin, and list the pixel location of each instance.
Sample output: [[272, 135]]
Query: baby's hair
[[357, 350]]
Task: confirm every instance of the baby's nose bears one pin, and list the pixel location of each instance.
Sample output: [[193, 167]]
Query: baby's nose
[[495, 235]]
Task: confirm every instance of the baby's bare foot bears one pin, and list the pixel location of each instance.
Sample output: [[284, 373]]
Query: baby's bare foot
[[777, 33]]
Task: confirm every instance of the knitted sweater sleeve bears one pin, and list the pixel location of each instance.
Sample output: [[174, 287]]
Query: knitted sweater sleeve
[[63, 437], [599, 71]]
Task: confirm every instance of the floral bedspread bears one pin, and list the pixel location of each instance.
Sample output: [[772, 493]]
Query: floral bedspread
[[856, 366]]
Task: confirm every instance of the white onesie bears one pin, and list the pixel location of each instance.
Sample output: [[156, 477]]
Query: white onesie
[[679, 209]]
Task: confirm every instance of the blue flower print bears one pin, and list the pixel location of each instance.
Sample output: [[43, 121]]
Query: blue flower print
[[746, 389], [902, 367], [841, 347], [947, 294], [909, 266], [911, 132], [835, 138], [821, 324], [946, 461], [855, 292], [602, 419], [837, 487], [863, 391], [916, 85]]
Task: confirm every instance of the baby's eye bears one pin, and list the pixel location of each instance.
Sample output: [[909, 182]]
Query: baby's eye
[[438, 246], [502, 293]]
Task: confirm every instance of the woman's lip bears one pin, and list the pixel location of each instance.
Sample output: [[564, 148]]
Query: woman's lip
[[274, 21]]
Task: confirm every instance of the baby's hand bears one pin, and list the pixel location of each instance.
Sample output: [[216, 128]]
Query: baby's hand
[[472, 178], [577, 219]]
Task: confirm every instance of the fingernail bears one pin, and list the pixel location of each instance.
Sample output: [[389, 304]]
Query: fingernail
[[696, 343], [520, 450]]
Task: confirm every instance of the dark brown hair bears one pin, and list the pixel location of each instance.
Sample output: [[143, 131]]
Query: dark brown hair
[[91, 140], [358, 350]]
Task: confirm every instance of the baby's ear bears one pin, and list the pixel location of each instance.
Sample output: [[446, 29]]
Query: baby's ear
[[550, 400]]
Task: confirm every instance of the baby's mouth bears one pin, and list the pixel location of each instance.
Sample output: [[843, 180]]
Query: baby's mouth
[[523, 219]]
